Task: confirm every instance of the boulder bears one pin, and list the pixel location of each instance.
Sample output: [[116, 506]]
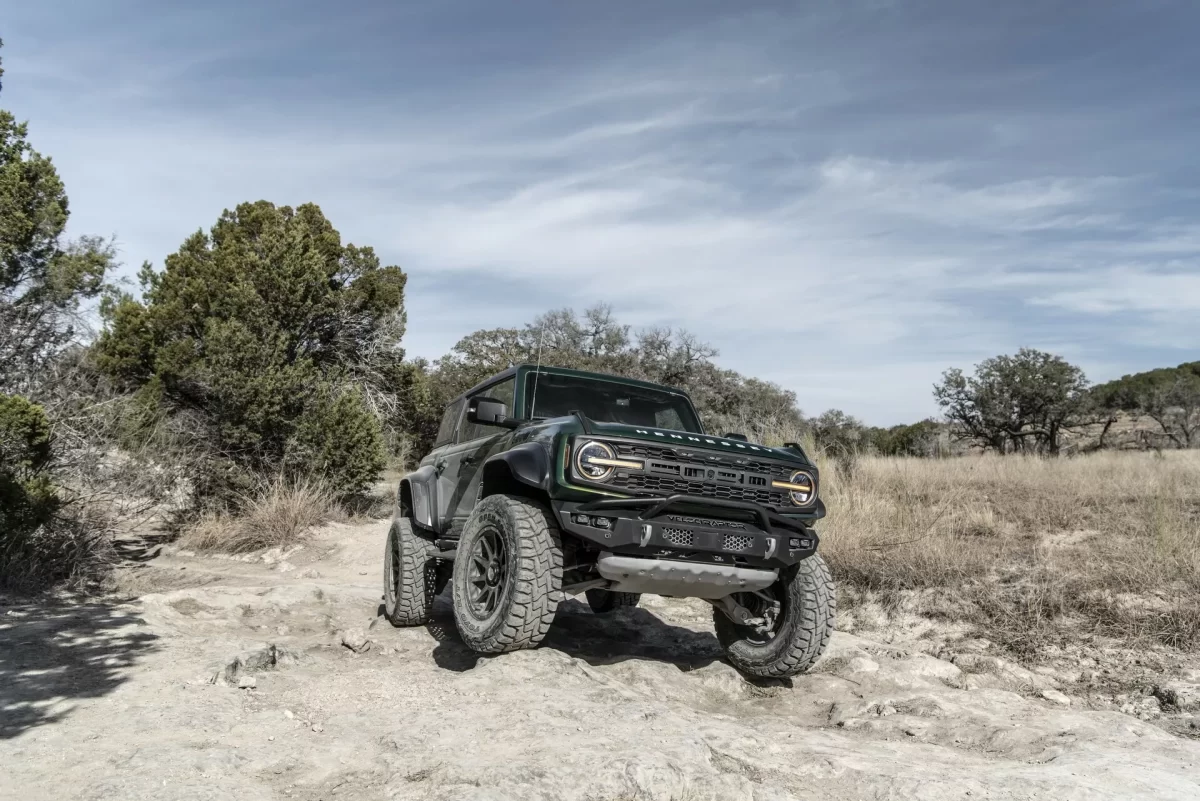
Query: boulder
[[356, 640]]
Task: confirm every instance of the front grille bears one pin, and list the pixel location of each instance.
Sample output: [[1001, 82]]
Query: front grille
[[677, 536], [783, 472], [737, 542], [701, 471], [626, 449], [667, 485]]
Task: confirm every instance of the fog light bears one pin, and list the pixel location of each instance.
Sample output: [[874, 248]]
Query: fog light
[[793, 542], [581, 520], [601, 522]]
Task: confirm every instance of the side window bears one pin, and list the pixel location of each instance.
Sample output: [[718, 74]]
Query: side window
[[449, 422], [502, 392]]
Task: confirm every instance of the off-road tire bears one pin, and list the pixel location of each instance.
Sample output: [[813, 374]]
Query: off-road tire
[[530, 591], [409, 576], [604, 601], [809, 605]]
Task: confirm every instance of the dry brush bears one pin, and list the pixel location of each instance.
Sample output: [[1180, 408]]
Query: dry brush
[[1030, 549]]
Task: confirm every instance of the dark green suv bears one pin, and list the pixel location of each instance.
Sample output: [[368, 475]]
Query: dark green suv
[[546, 482]]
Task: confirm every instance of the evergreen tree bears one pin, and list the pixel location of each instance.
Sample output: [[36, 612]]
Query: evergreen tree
[[284, 340]]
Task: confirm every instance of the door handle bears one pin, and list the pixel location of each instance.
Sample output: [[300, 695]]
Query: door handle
[[466, 460], [439, 465]]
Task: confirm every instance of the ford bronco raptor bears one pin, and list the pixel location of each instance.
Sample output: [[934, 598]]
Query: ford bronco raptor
[[545, 482]]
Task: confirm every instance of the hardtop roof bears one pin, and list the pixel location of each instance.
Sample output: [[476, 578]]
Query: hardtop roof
[[513, 370]]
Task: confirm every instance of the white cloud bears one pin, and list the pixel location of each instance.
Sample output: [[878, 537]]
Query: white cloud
[[1129, 289], [928, 192]]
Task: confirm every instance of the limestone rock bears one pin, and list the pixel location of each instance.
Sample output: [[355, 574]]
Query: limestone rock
[[356, 640]]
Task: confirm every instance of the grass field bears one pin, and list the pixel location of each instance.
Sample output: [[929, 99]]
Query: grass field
[[1030, 550]]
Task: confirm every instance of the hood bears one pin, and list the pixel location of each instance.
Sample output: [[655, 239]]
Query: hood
[[668, 437]]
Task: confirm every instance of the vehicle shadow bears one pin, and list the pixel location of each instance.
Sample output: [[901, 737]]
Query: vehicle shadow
[[56, 653], [596, 639]]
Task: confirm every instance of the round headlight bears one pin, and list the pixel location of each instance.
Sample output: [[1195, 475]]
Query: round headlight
[[586, 468], [802, 497]]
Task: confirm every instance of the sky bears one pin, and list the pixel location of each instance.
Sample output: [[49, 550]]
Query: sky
[[845, 197]]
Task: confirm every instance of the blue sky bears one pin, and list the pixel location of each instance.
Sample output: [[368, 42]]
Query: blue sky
[[844, 197]]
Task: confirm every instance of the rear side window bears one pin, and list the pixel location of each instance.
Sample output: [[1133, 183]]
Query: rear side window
[[449, 422]]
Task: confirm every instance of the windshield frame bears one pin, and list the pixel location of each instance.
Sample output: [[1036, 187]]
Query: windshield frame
[[689, 418]]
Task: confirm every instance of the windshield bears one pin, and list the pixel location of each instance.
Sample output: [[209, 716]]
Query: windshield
[[608, 402]]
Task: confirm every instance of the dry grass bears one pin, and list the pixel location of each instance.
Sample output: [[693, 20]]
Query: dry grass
[[278, 516], [1029, 549], [73, 552]]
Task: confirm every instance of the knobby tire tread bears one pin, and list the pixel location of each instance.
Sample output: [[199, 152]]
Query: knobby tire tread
[[417, 576], [537, 576]]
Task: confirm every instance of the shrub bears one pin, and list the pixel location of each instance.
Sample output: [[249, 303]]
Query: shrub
[[917, 439], [337, 438], [1169, 396], [281, 338], [74, 549], [41, 542], [839, 434], [278, 515], [27, 497]]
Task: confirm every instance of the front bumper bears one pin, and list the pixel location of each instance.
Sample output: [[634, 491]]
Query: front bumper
[[690, 528]]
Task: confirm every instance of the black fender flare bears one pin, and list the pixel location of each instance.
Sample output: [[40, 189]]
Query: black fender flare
[[418, 497], [524, 467], [820, 510]]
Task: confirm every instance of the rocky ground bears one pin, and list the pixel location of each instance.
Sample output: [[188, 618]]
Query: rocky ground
[[274, 678]]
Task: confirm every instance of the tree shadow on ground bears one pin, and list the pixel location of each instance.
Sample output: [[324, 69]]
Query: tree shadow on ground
[[54, 654], [596, 639]]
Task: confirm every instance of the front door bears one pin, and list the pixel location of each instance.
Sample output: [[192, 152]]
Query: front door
[[478, 443], [447, 439]]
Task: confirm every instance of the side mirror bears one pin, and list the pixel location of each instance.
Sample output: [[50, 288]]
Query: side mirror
[[489, 412], [739, 437]]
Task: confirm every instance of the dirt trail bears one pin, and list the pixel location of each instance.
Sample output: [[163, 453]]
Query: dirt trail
[[115, 701]]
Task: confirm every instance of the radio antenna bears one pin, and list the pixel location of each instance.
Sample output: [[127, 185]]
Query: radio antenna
[[537, 372]]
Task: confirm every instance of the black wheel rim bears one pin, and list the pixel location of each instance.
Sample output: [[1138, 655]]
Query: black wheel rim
[[486, 573]]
